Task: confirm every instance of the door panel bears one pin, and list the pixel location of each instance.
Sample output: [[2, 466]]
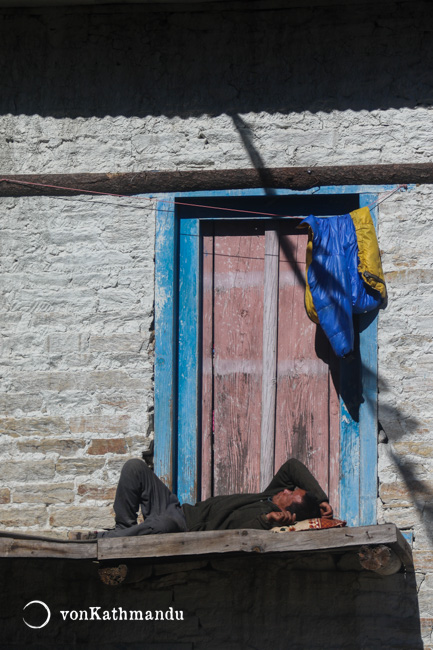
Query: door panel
[[235, 280], [307, 406]]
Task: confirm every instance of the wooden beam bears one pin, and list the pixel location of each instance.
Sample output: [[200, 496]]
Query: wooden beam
[[269, 373], [148, 182], [113, 575], [247, 541], [10, 547], [403, 550], [174, 545], [380, 559]]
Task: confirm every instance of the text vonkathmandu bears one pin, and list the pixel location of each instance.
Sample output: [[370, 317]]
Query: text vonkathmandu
[[120, 614]]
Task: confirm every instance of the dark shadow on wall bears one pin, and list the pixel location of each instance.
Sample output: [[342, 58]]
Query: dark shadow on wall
[[84, 61], [249, 603]]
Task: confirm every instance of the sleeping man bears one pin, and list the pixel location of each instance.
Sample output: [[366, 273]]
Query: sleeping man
[[292, 495]]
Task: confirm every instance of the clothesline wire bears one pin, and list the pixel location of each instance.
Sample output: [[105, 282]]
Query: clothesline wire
[[184, 203]]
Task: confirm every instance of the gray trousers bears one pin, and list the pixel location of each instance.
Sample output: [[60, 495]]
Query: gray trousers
[[140, 487]]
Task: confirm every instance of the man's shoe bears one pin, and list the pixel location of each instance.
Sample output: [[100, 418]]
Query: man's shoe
[[83, 535]]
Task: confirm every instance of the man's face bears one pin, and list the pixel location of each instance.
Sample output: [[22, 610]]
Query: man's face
[[287, 497]]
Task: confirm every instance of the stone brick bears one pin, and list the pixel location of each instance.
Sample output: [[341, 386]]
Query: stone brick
[[423, 448], [42, 425], [101, 446], [100, 424], [61, 381], [98, 492], [5, 495], [27, 470], [79, 466], [66, 447], [44, 493], [405, 493], [423, 560], [402, 517], [115, 343], [21, 401], [113, 468], [81, 517], [18, 517]]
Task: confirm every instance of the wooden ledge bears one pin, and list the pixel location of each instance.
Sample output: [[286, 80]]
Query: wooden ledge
[[178, 545], [255, 541], [25, 546]]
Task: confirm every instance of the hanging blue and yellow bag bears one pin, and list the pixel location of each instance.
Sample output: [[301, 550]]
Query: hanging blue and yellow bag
[[344, 274]]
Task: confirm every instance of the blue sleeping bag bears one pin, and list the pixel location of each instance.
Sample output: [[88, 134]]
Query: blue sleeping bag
[[337, 288]]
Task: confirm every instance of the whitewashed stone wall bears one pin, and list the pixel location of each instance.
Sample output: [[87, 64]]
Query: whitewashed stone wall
[[406, 381], [92, 90], [77, 356]]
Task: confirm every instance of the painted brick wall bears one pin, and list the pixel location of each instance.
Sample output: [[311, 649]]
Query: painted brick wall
[[133, 89]]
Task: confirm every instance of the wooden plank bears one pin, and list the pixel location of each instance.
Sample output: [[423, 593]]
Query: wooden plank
[[247, 541], [188, 360], [403, 549], [165, 306], [269, 374], [349, 453], [368, 406], [334, 432], [295, 178], [238, 344], [10, 547], [358, 484], [305, 393], [207, 368]]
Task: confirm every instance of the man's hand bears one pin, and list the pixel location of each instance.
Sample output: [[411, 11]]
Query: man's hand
[[326, 510], [282, 518]]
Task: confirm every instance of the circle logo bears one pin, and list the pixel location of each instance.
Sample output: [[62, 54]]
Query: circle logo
[[47, 609]]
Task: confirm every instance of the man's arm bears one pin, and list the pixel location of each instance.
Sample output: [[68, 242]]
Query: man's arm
[[294, 474]]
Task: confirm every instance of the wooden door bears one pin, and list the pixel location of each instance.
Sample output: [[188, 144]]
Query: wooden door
[[268, 374]]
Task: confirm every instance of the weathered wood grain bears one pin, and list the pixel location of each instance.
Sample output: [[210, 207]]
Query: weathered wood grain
[[207, 369], [246, 541], [403, 549], [307, 401], [295, 178], [380, 559], [269, 374], [238, 345], [12, 547], [187, 379], [165, 300], [368, 407]]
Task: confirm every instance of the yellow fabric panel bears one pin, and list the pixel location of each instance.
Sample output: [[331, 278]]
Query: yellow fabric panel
[[309, 305], [368, 251]]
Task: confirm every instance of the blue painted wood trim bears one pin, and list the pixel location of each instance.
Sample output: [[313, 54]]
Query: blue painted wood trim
[[325, 189], [349, 485], [368, 407], [408, 535], [188, 359], [165, 343], [358, 434]]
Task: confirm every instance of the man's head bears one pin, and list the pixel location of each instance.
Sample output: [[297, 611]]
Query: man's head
[[299, 502]]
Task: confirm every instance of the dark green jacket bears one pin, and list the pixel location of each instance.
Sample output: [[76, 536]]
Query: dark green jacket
[[249, 510]]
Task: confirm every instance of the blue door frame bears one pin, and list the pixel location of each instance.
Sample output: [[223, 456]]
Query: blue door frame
[[177, 355]]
